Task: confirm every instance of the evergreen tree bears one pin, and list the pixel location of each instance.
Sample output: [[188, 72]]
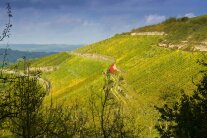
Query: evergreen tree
[[188, 117]]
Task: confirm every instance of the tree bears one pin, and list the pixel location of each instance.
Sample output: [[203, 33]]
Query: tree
[[107, 114], [187, 118], [28, 95], [5, 101], [6, 30], [66, 122]]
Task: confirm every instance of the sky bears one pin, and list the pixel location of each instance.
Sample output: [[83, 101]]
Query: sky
[[88, 21]]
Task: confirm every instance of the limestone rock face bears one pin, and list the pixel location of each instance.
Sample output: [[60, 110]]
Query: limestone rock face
[[148, 33]]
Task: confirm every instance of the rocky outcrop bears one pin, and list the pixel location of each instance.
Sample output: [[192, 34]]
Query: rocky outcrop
[[201, 46], [176, 46], [148, 33]]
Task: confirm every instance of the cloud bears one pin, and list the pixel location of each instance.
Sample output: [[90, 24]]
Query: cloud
[[88, 23], [190, 15], [47, 4], [80, 21], [154, 18], [64, 19], [72, 20]]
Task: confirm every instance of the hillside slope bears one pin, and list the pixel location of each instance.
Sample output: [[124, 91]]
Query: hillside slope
[[148, 68], [73, 76], [153, 75]]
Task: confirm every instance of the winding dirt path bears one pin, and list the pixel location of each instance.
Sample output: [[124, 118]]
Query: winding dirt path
[[45, 82]]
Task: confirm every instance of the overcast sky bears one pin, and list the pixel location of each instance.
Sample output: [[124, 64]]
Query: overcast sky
[[88, 21]]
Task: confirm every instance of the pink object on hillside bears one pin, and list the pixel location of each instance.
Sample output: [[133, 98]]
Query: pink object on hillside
[[113, 69]]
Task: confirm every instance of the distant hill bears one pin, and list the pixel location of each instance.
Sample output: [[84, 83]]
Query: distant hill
[[42, 47], [13, 55]]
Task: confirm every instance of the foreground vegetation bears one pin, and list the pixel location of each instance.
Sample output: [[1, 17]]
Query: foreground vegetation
[[187, 116], [24, 115]]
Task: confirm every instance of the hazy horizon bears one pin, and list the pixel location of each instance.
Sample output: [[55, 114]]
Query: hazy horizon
[[41, 47]]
